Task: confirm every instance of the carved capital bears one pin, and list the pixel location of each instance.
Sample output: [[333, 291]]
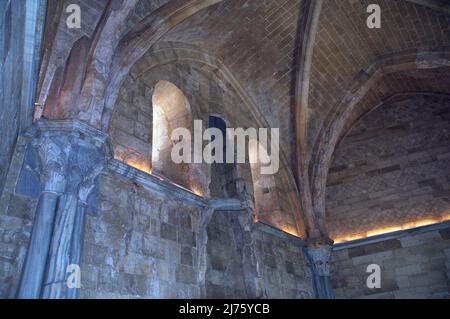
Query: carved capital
[[84, 165], [319, 257], [72, 155], [53, 162]]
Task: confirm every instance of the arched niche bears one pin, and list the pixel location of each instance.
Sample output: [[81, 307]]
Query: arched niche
[[171, 110], [222, 175]]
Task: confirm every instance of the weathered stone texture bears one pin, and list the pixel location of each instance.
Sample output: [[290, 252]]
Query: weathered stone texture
[[282, 265], [12, 29], [144, 245], [391, 169], [139, 246], [16, 219], [18, 50], [415, 265], [224, 274], [130, 128]]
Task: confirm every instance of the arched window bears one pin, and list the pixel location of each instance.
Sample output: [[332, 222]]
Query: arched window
[[171, 111], [223, 175], [267, 202]]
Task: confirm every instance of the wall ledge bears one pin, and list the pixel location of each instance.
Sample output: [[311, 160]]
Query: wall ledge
[[166, 187], [155, 183], [271, 230], [393, 235]]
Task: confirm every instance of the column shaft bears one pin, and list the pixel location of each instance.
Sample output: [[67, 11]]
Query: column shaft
[[77, 243], [34, 266], [58, 257]]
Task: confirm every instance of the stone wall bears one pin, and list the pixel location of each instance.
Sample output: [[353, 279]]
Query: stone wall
[[145, 244], [130, 128], [141, 245], [225, 276], [12, 29], [282, 264], [392, 169], [414, 264], [17, 207], [132, 122], [279, 268]]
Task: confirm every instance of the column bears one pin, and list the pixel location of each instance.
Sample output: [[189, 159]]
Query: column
[[318, 254], [72, 155], [52, 159]]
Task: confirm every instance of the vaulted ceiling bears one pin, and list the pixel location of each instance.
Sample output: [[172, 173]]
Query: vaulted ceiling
[[311, 68]]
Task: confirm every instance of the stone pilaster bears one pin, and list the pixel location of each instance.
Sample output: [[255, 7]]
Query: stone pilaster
[[72, 155], [318, 253], [244, 233]]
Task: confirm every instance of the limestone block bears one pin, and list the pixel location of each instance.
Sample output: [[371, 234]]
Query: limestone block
[[168, 232], [185, 274]]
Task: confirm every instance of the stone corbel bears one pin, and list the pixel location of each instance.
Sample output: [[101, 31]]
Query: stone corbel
[[318, 253]]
